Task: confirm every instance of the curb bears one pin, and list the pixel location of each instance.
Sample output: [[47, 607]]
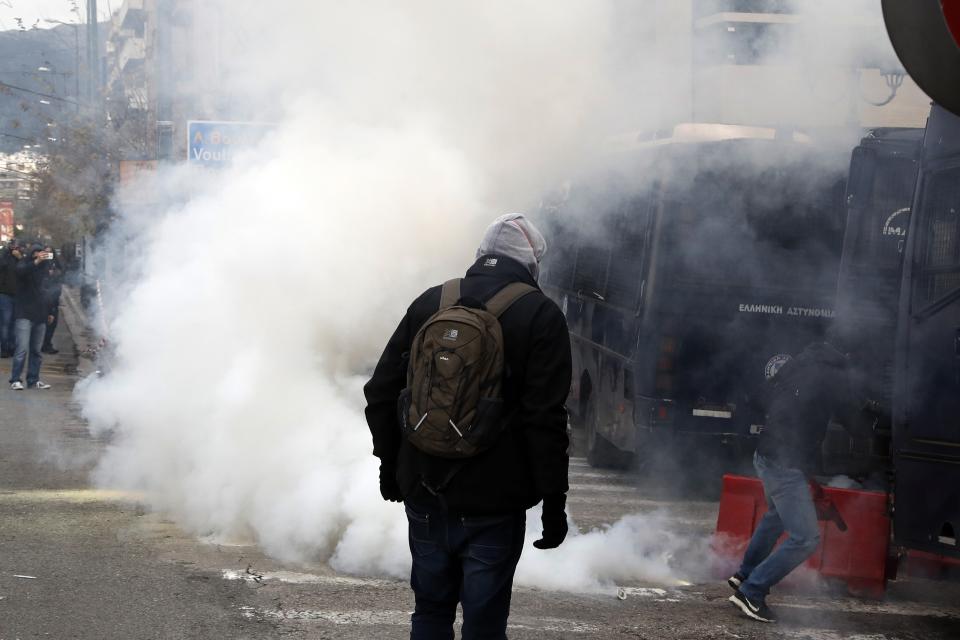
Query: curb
[[79, 326]]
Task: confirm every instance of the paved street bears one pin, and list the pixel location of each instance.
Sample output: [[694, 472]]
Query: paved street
[[82, 563]]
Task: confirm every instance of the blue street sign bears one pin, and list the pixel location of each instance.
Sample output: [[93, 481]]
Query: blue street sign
[[213, 144]]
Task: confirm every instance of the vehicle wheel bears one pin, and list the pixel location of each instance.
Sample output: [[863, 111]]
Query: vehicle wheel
[[601, 452]]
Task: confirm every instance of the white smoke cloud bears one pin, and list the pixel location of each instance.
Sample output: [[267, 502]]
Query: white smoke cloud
[[231, 395], [262, 296]]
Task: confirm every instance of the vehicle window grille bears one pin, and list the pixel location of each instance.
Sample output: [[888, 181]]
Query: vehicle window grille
[[627, 260], [940, 273], [591, 267]]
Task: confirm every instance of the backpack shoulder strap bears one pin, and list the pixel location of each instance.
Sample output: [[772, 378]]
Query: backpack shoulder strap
[[503, 299], [450, 293]]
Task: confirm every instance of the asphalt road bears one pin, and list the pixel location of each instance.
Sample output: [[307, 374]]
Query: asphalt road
[[82, 563]]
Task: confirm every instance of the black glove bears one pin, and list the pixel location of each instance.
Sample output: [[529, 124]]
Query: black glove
[[554, 522], [389, 488]]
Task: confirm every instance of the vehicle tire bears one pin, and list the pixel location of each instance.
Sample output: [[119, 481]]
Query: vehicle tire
[[601, 453]]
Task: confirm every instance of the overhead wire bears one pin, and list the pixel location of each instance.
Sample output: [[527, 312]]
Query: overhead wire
[[7, 85]]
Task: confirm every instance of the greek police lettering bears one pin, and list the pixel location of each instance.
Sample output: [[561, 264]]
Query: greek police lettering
[[777, 310], [490, 262], [769, 309], [807, 312]]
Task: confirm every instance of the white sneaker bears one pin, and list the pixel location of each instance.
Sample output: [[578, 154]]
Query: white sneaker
[[39, 384], [16, 386]]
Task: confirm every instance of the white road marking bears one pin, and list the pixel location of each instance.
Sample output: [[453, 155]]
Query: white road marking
[[80, 496], [606, 488], [216, 540], [291, 577], [553, 625], [363, 617], [654, 593], [594, 475], [658, 595], [821, 634], [356, 617]]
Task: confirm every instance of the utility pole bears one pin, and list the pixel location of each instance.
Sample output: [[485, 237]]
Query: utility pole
[[164, 75], [76, 65], [94, 82]]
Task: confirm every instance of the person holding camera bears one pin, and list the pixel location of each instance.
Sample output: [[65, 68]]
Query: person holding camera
[[8, 292], [31, 317], [53, 285]]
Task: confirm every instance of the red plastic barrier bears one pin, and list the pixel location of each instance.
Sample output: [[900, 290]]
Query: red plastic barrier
[[931, 566], [857, 556]]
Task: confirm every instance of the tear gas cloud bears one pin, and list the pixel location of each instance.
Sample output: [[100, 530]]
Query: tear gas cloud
[[256, 302]]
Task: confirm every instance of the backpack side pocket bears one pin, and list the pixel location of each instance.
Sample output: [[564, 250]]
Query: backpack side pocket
[[487, 424]]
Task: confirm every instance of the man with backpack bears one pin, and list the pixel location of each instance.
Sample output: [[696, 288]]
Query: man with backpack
[[466, 409]]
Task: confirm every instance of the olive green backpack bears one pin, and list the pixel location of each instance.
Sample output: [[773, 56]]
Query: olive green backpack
[[452, 406]]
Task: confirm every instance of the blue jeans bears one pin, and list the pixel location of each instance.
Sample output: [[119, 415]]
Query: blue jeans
[[465, 559], [6, 323], [29, 336], [789, 508]]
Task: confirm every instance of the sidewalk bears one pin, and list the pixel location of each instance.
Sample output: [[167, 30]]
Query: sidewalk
[[74, 319], [73, 560]]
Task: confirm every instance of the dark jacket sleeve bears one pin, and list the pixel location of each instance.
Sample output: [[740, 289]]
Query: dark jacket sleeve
[[542, 417], [850, 403], [383, 389], [52, 289], [25, 267]]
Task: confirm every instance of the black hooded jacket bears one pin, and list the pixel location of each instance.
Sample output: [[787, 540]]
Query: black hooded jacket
[[802, 397], [8, 275], [529, 460], [32, 301]]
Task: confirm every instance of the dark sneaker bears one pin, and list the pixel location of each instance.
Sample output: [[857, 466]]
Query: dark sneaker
[[758, 611], [736, 580], [50, 350]]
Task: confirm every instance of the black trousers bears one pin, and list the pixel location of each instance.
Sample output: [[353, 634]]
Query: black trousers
[[51, 327]]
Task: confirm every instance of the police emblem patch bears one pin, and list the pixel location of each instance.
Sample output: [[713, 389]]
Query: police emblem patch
[[774, 364]]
